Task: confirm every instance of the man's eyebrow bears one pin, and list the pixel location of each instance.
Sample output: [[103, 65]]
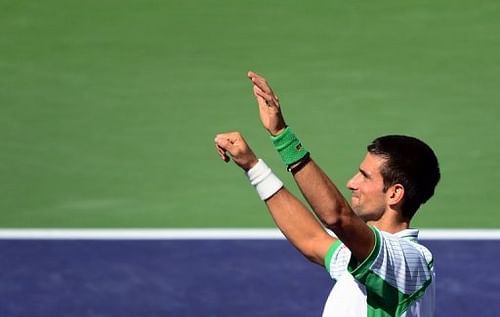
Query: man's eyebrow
[[364, 173]]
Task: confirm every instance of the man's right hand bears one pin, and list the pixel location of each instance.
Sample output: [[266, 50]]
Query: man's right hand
[[234, 144], [269, 107]]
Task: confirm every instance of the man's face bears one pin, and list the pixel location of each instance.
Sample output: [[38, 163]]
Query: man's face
[[368, 199]]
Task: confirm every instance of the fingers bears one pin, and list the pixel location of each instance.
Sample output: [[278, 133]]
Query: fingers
[[263, 98], [269, 105], [222, 153], [221, 145], [234, 144], [260, 82], [225, 143], [261, 89]]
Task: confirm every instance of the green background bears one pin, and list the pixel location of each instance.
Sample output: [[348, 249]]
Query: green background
[[108, 109]]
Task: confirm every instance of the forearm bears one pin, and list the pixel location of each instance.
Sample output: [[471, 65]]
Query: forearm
[[323, 196], [295, 221], [333, 210], [299, 226]]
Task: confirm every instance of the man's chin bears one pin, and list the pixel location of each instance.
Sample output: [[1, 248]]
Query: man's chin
[[358, 212]]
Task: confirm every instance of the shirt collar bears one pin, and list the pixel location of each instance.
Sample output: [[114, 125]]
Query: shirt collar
[[410, 234]]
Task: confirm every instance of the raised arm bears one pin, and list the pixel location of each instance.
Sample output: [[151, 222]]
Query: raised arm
[[320, 192], [293, 219]]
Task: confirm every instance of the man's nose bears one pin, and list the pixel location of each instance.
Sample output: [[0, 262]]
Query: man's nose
[[351, 184]]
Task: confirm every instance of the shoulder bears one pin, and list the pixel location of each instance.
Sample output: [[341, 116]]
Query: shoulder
[[404, 248], [403, 263]]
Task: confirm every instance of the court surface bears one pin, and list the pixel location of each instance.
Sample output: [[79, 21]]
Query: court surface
[[224, 277]]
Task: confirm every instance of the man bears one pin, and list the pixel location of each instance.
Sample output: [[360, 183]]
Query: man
[[378, 267]]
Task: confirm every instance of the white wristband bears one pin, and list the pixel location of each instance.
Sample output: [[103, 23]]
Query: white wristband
[[264, 180]]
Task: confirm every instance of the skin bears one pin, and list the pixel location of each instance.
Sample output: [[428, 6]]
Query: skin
[[371, 205]]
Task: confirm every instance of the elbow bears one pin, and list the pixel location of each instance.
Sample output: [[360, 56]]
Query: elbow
[[331, 221], [336, 217]]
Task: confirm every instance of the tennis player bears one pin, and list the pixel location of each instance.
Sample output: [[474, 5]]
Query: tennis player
[[377, 265]]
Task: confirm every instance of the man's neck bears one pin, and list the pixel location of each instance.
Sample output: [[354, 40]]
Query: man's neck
[[391, 222]]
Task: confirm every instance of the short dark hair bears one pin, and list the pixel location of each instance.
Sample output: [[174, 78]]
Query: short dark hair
[[411, 163]]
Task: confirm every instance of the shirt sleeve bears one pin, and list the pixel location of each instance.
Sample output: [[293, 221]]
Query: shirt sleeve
[[336, 259], [339, 256]]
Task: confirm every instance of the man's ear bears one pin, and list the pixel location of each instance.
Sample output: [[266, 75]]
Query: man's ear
[[395, 194]]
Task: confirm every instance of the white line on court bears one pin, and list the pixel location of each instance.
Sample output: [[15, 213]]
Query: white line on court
[[213, 233]]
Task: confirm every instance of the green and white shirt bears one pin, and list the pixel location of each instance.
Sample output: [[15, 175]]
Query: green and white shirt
[[397, 279]]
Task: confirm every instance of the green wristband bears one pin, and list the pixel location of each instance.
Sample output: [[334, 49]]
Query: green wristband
[[289, 147]]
